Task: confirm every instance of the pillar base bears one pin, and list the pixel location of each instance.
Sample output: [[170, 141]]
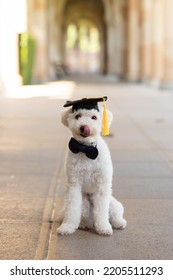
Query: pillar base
[[167, 85], [156, 83], [10, 83]]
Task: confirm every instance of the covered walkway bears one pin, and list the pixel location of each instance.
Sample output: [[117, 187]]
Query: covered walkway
[[32, 147]]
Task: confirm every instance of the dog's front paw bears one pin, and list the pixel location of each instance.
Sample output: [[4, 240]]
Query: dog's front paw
[[66, 228], [104, 229]]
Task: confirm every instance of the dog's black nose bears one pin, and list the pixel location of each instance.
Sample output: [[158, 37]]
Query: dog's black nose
[[82, 128]]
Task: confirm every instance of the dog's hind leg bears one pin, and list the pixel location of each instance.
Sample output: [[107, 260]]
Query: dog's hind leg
[[116, 211], [87, 215], [101, 213]]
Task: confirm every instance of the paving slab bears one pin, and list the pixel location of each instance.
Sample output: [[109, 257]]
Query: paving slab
[[135, 145], [24, 186], [169, 155], [139, 169], [18, 240], [21, 209], [146, 156], [137, 187]]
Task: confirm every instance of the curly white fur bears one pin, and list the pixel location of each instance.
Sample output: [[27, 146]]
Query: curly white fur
[[88, 200]]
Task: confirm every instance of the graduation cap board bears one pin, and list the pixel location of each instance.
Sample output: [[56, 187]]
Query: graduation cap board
[[89, 104]]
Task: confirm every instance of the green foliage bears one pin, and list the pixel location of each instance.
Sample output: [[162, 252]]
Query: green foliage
[[26, 56], [85, 38], [71, 36]]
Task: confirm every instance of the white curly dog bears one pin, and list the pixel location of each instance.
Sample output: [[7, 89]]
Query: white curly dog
[[89, 203]]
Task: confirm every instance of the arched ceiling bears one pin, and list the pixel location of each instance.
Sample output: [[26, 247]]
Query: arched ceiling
[[76, 10]]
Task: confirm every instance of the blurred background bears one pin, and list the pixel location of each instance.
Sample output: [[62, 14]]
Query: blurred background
[[45, 40], [57, 50]]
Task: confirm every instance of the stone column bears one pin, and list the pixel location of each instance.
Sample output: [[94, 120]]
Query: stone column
[[120, 37], [133, 41], [55, 17], [10, 13], [145, 39], [157, 45], [111, 68], [111, 41], [38, 27], [168, 51], [111, 36]]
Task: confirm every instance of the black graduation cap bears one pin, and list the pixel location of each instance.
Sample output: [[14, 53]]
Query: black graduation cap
[[85, 103], [91, 103]]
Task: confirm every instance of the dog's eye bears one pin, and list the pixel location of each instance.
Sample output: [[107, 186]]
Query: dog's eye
[[77, 116], [94, 118]]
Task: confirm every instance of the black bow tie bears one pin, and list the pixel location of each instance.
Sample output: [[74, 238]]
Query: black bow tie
[[90, 151]]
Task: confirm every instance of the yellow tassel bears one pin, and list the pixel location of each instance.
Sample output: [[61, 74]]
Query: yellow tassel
[[105, 125]]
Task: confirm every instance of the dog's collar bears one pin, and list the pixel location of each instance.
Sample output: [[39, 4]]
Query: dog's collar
[[90, 150]]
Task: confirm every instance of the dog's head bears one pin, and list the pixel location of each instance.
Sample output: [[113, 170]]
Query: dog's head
[[85, 125]]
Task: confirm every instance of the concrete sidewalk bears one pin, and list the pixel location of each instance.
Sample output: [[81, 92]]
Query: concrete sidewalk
[[32, 147]]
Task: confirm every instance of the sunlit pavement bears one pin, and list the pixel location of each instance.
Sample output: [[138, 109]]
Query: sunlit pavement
[[32, 148]]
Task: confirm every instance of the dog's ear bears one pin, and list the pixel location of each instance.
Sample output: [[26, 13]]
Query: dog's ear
[[64, 117]]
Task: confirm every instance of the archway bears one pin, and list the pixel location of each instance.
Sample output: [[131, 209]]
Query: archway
[[84, 36], [83, 48]]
